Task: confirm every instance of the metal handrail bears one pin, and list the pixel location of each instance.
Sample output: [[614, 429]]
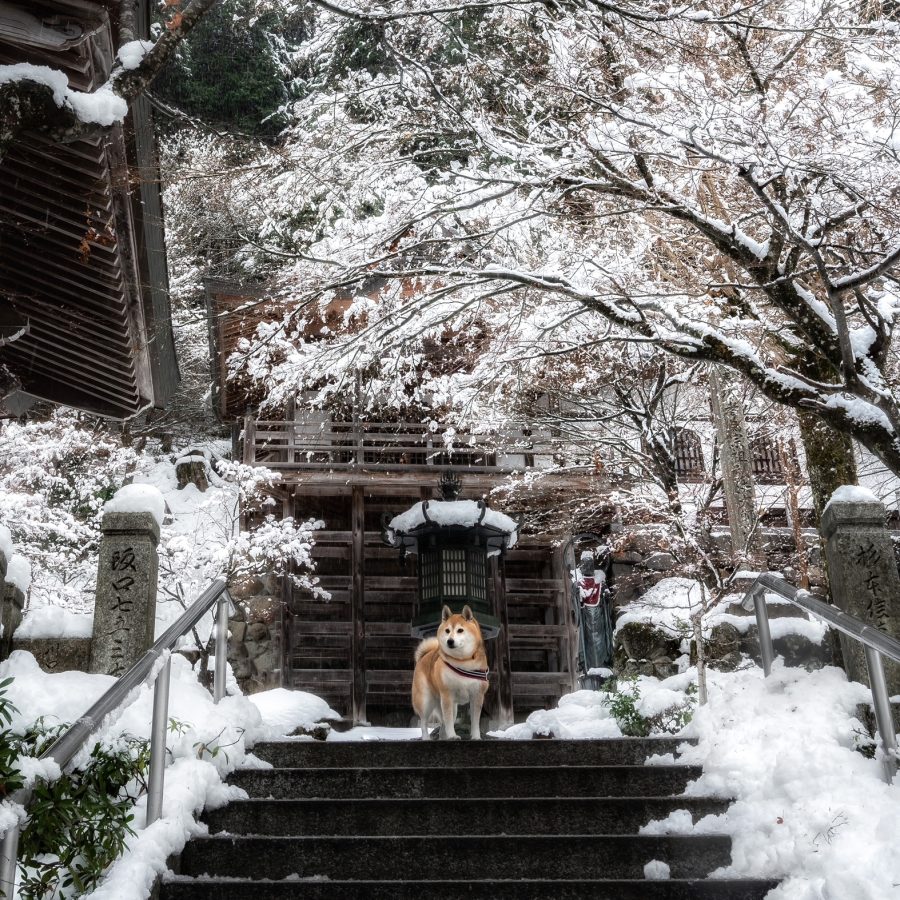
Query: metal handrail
[[876, 645], [146, 670]]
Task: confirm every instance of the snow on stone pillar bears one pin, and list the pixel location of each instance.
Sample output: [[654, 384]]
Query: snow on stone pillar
[[125, 608], [736, 463], [862, 571]]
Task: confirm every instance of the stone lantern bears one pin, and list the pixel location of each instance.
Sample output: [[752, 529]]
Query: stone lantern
[[454, 540]]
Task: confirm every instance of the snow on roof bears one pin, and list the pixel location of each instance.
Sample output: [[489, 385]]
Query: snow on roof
[[452, 512], [138, 498], [101, 106], [19, 572]]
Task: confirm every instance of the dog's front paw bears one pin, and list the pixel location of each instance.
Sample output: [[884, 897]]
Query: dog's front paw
[[453, 737]]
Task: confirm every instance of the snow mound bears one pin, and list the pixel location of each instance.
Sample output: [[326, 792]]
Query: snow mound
[[657, 870], [138, 498], [19, 572], [667, 606], [852, 493], [284, 711], [55, 622]]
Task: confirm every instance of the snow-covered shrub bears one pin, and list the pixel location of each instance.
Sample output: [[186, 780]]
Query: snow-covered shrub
[[78, 823], [55, 476], [665, 714]]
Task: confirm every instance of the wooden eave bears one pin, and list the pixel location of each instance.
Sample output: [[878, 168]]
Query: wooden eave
[[82, 253]]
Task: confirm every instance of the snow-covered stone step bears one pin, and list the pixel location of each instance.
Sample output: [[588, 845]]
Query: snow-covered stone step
[[527, 815], [619, 751], [602, 889], [467, 781], [459, 857]]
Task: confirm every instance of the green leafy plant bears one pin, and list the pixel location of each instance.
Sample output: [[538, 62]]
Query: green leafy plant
[[621, 698], [10, 777], [78, 824], [212, 748]]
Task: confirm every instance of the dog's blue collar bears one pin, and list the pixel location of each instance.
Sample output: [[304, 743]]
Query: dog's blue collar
[[480, 674]]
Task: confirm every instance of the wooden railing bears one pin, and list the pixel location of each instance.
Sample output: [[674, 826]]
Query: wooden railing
[[385, 446]]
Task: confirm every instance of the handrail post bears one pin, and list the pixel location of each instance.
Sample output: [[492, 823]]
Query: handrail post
[[158, 743], [883, 715], [221, 647], [766, 649], [8, 856]]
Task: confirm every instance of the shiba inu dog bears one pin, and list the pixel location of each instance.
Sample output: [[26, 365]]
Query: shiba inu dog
[[451, 669]]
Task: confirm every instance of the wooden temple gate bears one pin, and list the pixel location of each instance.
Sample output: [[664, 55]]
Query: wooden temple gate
[[355, 650]]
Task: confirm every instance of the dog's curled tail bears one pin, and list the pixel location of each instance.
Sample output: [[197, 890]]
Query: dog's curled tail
[[426, 646]]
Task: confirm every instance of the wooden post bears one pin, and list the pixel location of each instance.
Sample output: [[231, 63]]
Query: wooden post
[[249, 440], [357, 608], [505, 712], [566, 613]]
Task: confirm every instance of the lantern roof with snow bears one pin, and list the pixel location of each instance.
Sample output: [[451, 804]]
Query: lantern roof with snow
[[494, 530]]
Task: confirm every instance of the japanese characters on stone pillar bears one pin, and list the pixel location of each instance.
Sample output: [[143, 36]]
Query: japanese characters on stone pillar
[[125, 609], [862, 571]]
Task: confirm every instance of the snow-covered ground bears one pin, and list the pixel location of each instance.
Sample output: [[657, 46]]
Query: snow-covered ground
[[809, 807], [195, 776]]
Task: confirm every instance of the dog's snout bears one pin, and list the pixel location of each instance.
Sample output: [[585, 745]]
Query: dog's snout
[[450, 642]]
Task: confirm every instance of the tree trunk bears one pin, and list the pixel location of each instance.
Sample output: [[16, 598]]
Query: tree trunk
[[830, 461], [737, 464]]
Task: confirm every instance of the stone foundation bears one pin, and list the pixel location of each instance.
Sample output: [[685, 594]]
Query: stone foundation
[[58, 654], [255, 646]]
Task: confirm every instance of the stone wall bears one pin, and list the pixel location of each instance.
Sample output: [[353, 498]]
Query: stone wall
[[643, 558], [255, 646], [58, 654]]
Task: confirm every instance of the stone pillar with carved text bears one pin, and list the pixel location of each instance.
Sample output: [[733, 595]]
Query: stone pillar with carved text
[[125, 609], [736, 466], [862, 570]]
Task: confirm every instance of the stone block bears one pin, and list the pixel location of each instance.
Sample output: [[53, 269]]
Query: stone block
[[257, 632], [58, 654], [660, 562], [627, 558], [864, 578], [12, 602], [639, 642], [246, 587], [125, 608], [266, 663], [192, 470], [262, 610], [626, 589]]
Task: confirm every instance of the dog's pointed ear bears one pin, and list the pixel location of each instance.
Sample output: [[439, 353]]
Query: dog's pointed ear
[[467, 613], [445, 613]]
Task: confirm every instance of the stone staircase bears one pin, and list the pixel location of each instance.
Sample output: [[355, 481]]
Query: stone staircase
[[494, 820]]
